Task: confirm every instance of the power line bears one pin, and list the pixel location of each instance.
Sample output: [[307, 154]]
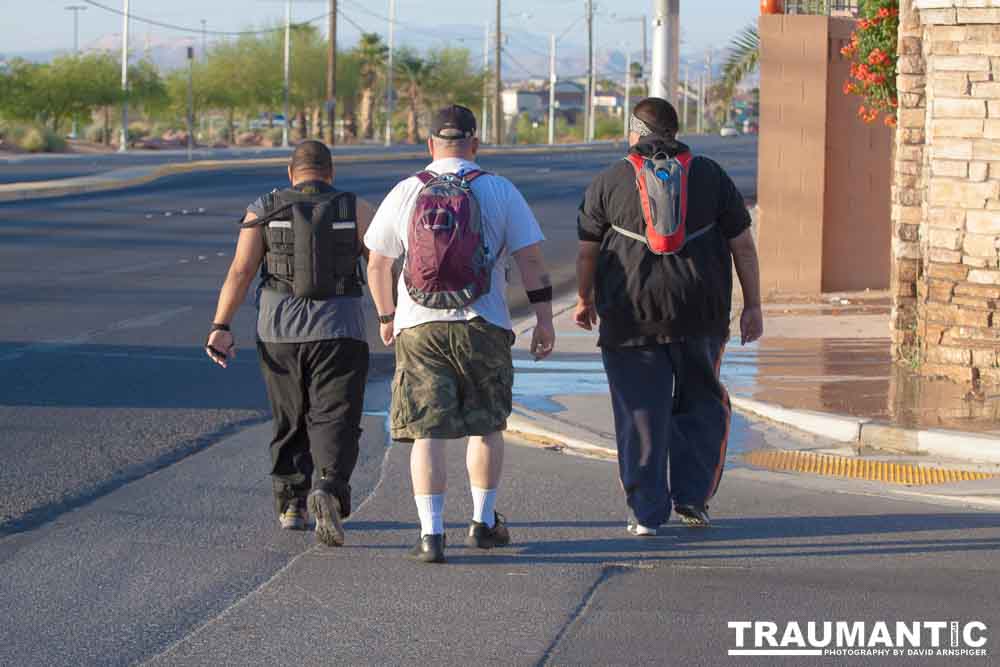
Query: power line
[[522, 66], [382, 17], [199, 31]]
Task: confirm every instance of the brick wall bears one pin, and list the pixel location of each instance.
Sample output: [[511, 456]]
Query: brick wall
[[946, 194]]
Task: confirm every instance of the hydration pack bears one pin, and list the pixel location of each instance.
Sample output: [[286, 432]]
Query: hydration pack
[[662, 182], [448, 263], [311, 243]]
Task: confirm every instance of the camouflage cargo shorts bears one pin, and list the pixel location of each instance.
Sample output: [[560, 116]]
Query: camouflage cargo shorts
[[453, 379]]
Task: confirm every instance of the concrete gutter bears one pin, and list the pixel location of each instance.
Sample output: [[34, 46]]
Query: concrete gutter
[[128, 177], [868, 434]]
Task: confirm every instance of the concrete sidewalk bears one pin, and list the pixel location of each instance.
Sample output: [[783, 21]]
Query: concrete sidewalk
[[823, 367]]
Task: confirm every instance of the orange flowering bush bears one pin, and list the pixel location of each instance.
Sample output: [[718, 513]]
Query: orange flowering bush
[[872, 50]]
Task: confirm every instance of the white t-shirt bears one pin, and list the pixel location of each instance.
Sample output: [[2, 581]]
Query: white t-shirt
[[507, 220]]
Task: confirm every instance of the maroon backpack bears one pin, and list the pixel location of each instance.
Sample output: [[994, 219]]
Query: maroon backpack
[[448, 263]]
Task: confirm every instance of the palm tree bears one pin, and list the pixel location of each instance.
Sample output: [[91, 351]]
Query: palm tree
[[372, 55], [744, 56], [416, 74]]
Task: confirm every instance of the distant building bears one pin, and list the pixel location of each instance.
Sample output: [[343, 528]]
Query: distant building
[[517, 101]]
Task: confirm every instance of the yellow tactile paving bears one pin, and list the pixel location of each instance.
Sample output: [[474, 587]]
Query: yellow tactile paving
[[853, 468]]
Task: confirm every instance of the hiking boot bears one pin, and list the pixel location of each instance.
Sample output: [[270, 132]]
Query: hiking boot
[[639, 530], [695, 516], [325, 508], [482, 536], [292, 515], [429, 549]]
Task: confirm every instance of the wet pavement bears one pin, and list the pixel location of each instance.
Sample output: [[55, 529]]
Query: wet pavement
[[829, 355]]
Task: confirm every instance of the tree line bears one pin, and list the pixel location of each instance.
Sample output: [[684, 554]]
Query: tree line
[[243, 79]]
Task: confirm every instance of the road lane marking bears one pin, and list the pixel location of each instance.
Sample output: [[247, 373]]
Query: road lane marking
[[144, 322]]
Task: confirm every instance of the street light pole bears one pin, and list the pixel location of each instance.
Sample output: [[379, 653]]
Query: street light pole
[[627, 109], [588, 102], [498, 119], [204, 39], [552, 89], [76, 9], [288, 55], [389, 73], [190, 102], [331, 76], [485, 132], [123, 141]]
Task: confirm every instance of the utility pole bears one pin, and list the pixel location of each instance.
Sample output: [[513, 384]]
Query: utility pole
[[552, 89], [388, 87], [190, 101], [686, 93], [485, 131], [708, 88], [123, 141], [498, 119], [588, 106], [701, 103], [288, 55], [331, 76], [204, 39], [592, 115], [627, 109], [76, 9], [666, 50]]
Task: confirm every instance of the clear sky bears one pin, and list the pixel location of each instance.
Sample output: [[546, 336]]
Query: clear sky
[[47, 25]]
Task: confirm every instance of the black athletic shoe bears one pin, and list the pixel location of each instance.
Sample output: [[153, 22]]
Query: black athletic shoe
[[429, 549], [695, 516], [482, 536], [325, 508]]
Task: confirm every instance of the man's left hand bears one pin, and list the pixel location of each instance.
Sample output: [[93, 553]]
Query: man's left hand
[[751, 325]]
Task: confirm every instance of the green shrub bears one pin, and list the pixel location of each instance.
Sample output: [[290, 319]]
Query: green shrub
[[32, 138]]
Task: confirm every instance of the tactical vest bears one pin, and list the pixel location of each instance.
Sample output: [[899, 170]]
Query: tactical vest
[[311, 244]]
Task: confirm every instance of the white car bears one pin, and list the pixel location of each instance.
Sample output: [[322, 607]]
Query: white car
[[729, 131]]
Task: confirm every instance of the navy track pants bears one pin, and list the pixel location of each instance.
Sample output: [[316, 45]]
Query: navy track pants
[[672, 418]]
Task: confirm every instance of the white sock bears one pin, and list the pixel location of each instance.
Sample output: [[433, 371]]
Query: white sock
[[484, 502], [431, 512]]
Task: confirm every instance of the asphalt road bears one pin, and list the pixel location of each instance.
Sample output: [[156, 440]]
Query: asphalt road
[[135, 520]]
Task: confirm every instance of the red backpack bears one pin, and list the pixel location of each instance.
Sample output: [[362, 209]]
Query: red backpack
[[448, 263], [662, 182]]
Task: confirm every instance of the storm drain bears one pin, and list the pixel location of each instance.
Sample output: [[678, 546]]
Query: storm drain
[[855, 468]]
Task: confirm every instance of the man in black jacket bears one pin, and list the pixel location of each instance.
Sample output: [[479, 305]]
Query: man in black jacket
[[664, 322]]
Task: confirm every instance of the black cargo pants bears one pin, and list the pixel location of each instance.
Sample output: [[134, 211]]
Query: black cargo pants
[[317, 392]]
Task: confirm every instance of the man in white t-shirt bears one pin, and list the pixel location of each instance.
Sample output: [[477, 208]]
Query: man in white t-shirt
[[454, 374]]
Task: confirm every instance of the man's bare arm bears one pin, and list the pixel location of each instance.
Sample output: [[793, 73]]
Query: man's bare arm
[[531, 265], [365, 213], [748, 269], [586, 271], [242, 270]]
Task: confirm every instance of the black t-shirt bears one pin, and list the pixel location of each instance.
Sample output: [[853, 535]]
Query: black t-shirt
[[646, 299]]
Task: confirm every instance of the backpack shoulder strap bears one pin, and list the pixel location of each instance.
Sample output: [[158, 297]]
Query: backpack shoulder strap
[[685, 158], [470, 176], [426, 176], [637, 161]]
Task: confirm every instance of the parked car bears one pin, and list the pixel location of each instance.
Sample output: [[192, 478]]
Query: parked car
[[729, 131]]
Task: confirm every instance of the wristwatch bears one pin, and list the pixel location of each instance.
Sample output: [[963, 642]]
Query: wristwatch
[[387, 319]]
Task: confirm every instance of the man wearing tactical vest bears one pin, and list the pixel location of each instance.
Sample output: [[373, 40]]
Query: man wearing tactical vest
[[306, 242], [659, 233]]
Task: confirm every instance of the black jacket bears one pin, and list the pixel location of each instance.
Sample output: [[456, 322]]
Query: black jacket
[[646, 299]]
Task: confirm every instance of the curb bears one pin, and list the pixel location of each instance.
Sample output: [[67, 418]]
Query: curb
[[128, 177], [865, 433]]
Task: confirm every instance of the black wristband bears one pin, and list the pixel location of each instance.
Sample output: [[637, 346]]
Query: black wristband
[[540, 295], [218, 326], [387, 319]]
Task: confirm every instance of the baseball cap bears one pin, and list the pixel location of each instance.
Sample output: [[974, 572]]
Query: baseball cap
[[454, 122]]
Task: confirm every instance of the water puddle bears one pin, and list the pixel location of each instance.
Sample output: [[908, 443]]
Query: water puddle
[[538, 384]]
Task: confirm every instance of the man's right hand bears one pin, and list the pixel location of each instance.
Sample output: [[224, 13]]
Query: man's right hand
[[221, 347], [585, 315], [387, 334]]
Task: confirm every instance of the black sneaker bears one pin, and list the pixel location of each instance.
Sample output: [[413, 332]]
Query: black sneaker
[[695, 516], [429, 549], [325, 508], [482, 536]]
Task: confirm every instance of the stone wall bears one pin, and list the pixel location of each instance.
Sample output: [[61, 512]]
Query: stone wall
[[946, 194]]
